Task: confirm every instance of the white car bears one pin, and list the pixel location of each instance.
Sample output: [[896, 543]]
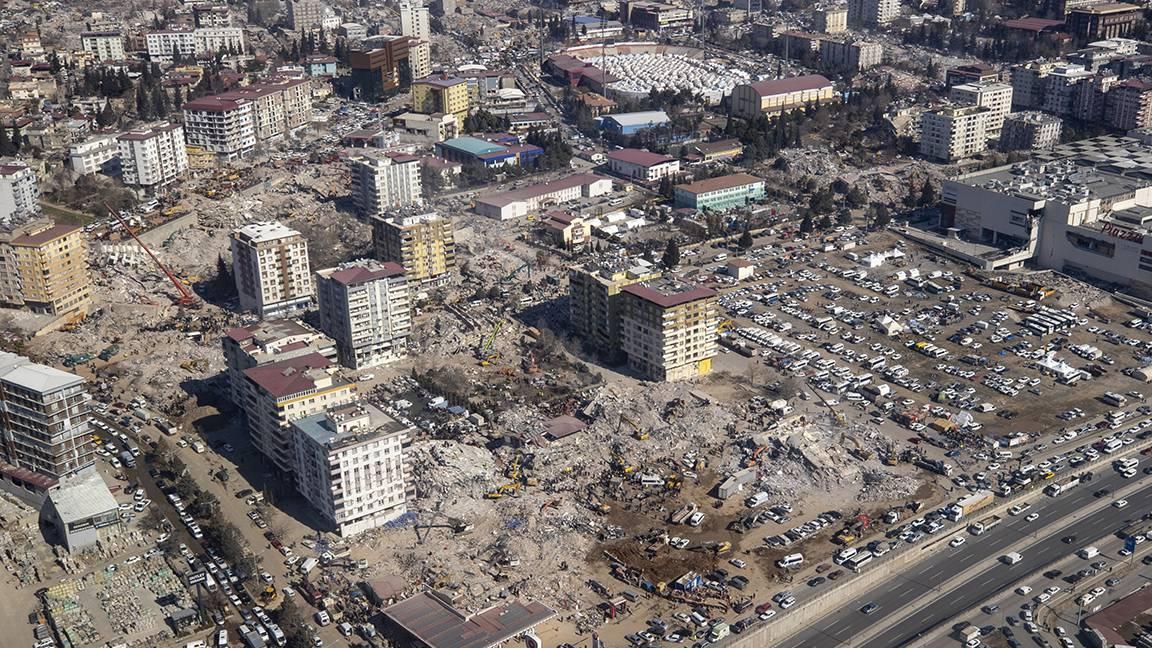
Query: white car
[[1032, 517], [1024, 590], [956, 542], [1120, 503], [737, 563]]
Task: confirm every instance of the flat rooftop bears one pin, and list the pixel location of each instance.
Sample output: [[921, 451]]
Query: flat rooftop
[[716, 184], [432, 621], [81, 497], [323, 428], [264, 232], [668, 295], [18, 370]]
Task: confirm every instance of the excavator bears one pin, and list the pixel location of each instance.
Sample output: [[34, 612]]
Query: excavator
[[858, 450], [637, 433], [456, 525], [482, 354]]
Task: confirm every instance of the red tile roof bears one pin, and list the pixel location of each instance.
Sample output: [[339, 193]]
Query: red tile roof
[[50, 234], [289, 376], [358, 274], [793, 84], [638, 157]]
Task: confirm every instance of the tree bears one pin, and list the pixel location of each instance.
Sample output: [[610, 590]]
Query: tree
[[107, 116], [431, 180], [927, 194], [881, 216], [857, 197], [671, 257], [746, 241], [292, 621], [806, 225], [6, 147], [825, 222]]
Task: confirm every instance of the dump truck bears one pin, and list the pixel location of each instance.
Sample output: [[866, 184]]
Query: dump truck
[[984, 525], [968, 505]]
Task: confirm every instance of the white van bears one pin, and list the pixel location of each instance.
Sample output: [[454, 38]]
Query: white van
[[1088, 553], [791, 561], [758, 499], [1011, 558], [1003, 454]]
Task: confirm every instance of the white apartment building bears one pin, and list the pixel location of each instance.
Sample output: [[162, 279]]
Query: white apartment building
[[364, 307], [420, 58], [996, 97], [1082, 208], [838, 54], [872, 13], [382, 182], [153, 157], [350, 466], [270, 263], [19, 193], [105, 45], [414, 21], [210, 41], [162, 44], [953, 133], [642, 165], [220, 126], [94, 154]]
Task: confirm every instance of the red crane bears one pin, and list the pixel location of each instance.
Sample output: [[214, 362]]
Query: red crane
[[186, 299]]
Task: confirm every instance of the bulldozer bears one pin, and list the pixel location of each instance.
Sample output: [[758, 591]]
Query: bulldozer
[[268, 594]]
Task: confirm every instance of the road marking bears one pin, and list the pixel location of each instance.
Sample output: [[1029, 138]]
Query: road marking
[[906, 590]]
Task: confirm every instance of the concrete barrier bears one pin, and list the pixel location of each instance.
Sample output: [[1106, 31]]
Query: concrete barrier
[[784, 626]]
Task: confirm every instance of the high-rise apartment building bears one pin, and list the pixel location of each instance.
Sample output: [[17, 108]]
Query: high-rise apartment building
[[43, 421], [266, 342], [105, 45], [996, 97], [414, 21], [384, 64], [165, 46], [1128, 105], [220, 126], [152, 157], [99, 153], [442, 95], [350, 466], [1030, 129], [44, 268], [872, 13], [954, 133], [270, 263], [364, 307], [307, 15], [594, 301], [281, 392], [384, 181], [830, 21], [424, 245], [19, 193], [668, 332]]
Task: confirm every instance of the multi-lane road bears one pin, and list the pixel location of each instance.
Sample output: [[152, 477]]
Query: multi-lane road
[[921, 583]]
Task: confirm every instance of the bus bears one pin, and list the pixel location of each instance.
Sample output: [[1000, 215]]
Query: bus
[[1114, 399], [857, 562]]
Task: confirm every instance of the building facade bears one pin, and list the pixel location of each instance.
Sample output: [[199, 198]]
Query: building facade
[[165, 46], [266, 342], [285, 391], [1103, 20], [723, 192], [872, 13], [306, 15], [1128, 105], [424, 245], [636, 164], [442, 95], [364, 306], [152, 157], [270, 264], [44, 269], [19, 193], [850, 55], [520, 203], [97, 154], [223, 127], [830, 21], [668, 333], [104, 45], [996, 97], [382, 66], [350, 466], [1030, 130], [44, 418], [594, 301], [382, 182], [954, 133], [415, 21], [750, 100]]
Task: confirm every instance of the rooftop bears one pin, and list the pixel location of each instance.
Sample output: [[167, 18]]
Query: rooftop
[[1033, 24], [18, 370], [348, 424], [716, 184], [361, 271], [638, 156], [291, 376], [668, 296], [1120, 622], [793, 84], [639, 118], [538, 190], [472, 145], [81, 497], [46, 235], [1106, 8], [213, 104], [263, 232], [432, 620]]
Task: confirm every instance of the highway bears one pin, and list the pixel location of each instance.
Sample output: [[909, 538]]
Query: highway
[[921, 582]]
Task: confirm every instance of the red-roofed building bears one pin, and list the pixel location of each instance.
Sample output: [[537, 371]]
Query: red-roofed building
[[668, 331], [266, 342], [780, 95], [284, 391], [640, 165], [364, 307]]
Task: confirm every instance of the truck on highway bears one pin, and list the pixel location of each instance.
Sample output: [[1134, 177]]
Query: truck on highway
[[1056, 489], [1011, 558], [969, 505], [984, 525]]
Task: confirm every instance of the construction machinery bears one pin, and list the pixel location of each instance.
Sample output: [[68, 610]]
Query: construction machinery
[[857, 450], [507, 279], [723, 326], [456, 525], [186, 298], [268, 594], [638, 433], [482, 351], [754, 458], [836, 414]]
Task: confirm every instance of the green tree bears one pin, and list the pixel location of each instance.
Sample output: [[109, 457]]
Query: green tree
[[807, 225], [881, 216], [671, 257], [856, 196], [431, 180], [746, 241], [107, 116], [6, 147], [927, 194], [825, 223], [844, 217], [292, 621]]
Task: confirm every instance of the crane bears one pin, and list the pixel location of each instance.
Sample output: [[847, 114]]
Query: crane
[[482, 350], [186, 299]]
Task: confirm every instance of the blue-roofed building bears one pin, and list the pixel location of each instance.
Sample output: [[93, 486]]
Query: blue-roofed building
[[632, 123], [490, 154]]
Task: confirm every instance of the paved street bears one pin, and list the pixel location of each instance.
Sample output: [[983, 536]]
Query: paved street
[[920, 581]]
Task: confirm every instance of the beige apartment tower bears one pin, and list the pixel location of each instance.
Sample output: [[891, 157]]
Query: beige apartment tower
[[424, 245], [668, 332], [44, 268], [594, 301], [364, 307], [270, 264]]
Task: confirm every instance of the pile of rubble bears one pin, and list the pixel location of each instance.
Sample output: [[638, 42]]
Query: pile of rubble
[[19, 539]]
